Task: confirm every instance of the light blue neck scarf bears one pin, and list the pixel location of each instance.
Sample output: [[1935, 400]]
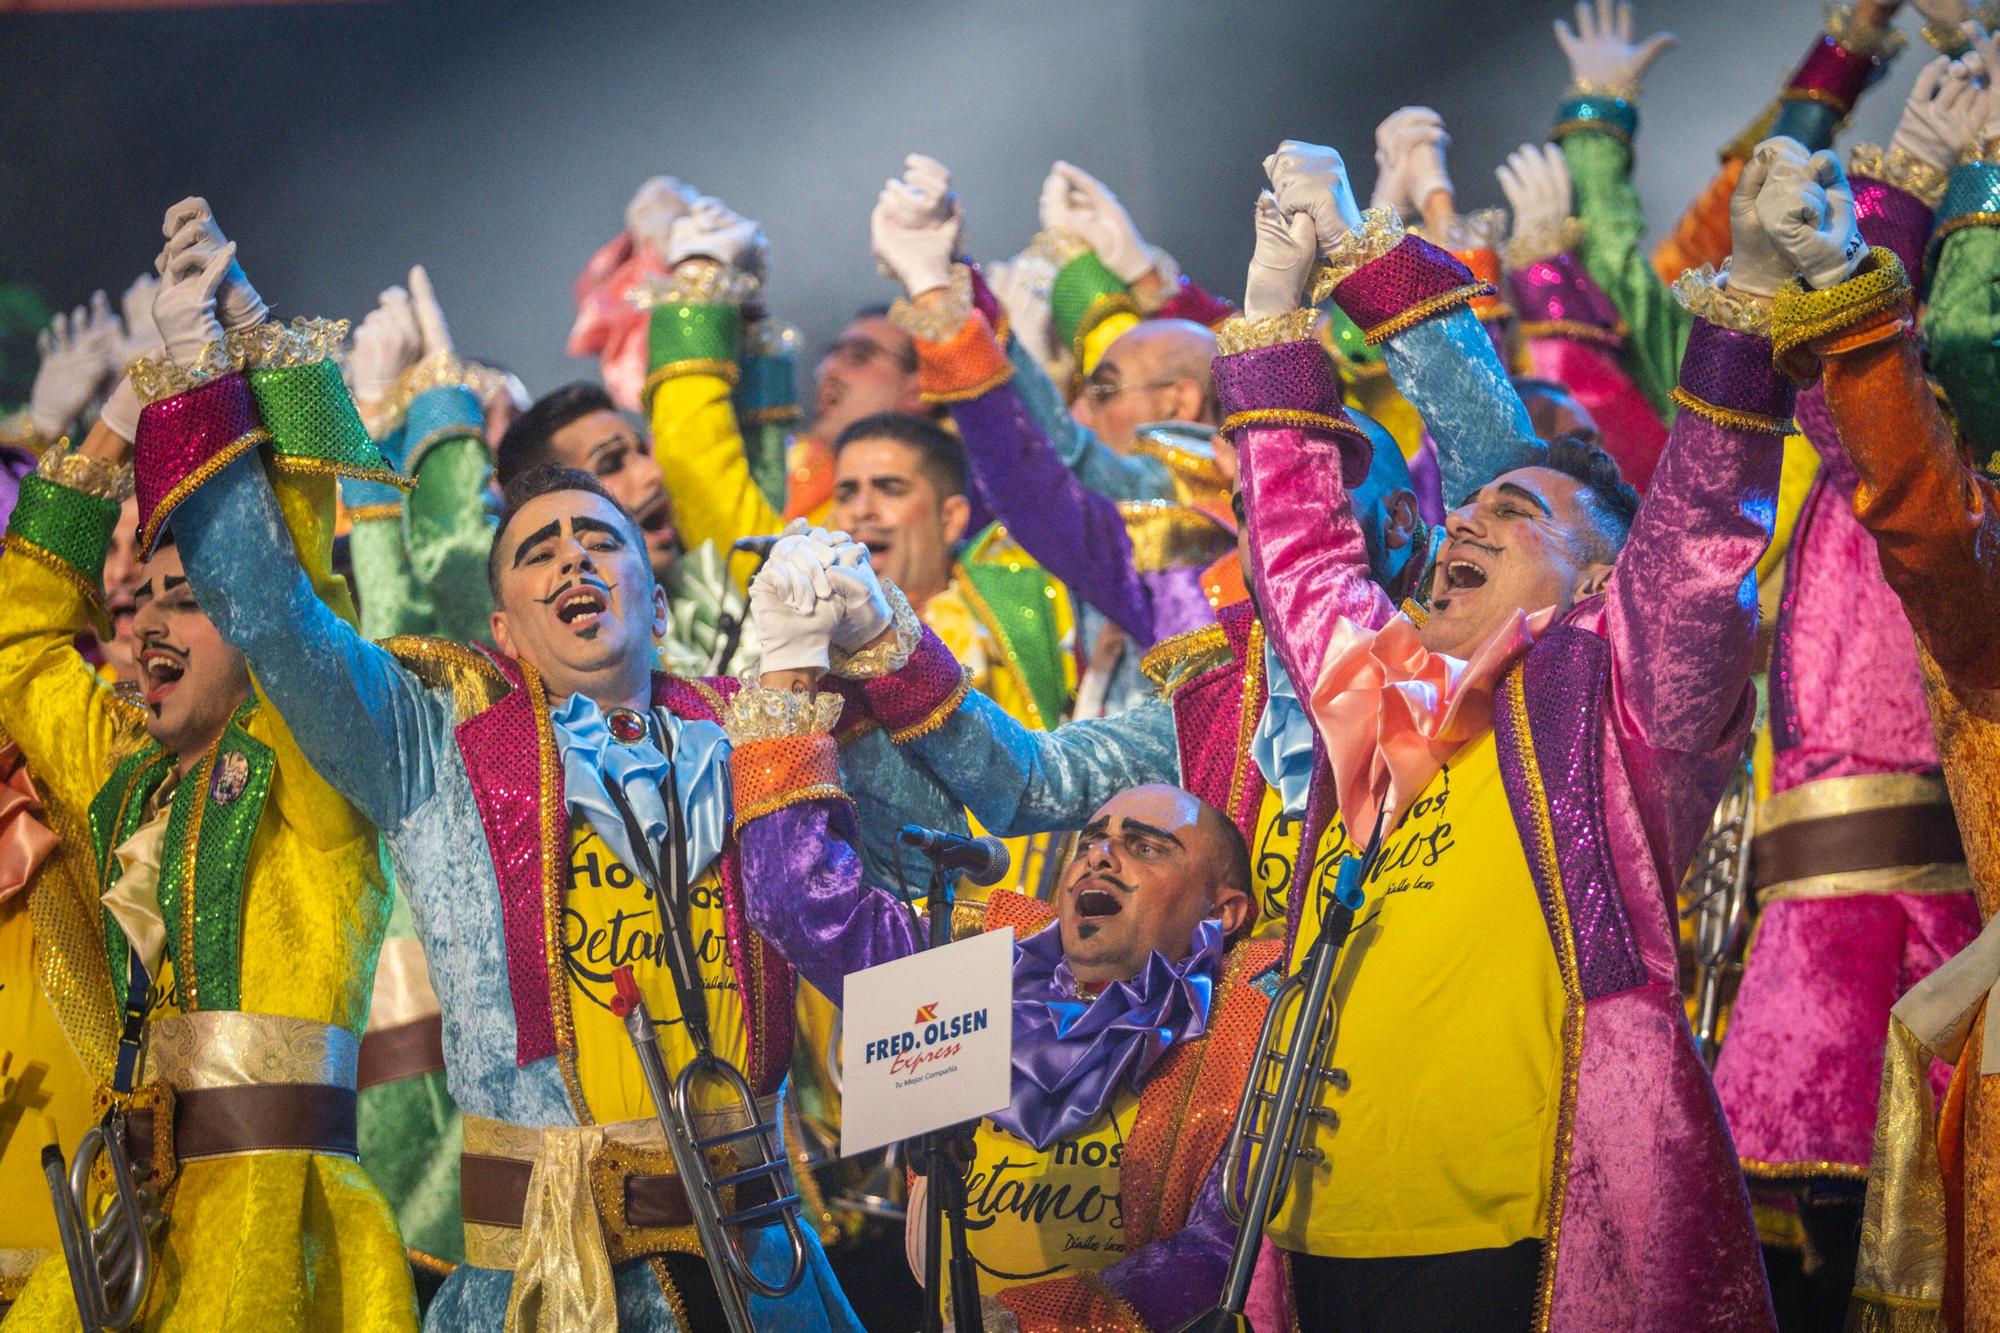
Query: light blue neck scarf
[[1282, 744], [591, 758]]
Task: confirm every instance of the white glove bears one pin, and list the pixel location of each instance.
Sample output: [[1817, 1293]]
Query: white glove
[[1756, 266], [1983, 61], [794, 610], [1943, 116], [121, 410], [910, 241], [1072, 198], [712, 230], [1601, 51], [142, 336], [387, 342], [1311, 179], [922, 197], [1281, 263], [1409, 160], [1026, 302], [184, 306], [651, 214], [76, 357], [427, 313], [1807, 207], [190, 224], [1535, 179]]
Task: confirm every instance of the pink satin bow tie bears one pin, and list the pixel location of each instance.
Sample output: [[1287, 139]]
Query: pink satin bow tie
[[25, 842], [1391, 711]]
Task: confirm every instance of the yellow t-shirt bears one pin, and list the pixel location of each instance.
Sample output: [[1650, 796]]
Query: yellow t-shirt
[[609, 919], [1034, 1215], [1450, 1008], [1274, 853]]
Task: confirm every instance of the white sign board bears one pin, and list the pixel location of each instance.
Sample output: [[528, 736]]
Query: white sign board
[[927, 1041]]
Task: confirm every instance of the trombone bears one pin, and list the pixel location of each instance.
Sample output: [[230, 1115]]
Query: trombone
[[111, 1262], [1255, 1183], [721, 1232], [1717, 891]]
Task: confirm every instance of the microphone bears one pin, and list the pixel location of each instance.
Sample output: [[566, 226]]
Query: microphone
[[757, 546], [982, 860]]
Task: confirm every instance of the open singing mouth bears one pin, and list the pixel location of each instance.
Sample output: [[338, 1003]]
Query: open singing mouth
[[1094, 902], [580, 605], [160, 671]]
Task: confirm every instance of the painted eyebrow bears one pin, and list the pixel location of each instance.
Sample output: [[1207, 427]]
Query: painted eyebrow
[[597, 525], [535, 538], [1140, 826], [608, 442], [1096, 828], [1523, 493]]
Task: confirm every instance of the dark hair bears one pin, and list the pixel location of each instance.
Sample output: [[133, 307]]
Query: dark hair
[[1235, 856], [546, 479], [530, 441], [1612, 501], [941, 456]]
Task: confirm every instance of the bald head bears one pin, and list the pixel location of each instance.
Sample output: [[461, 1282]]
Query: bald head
[[1151, 864], [1159, 370]]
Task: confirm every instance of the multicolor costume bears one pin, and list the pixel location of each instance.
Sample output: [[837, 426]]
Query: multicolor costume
[[1614, 734], [266, 881], [1157, 1257]]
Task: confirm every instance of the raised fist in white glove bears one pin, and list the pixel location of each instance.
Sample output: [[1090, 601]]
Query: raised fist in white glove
[[1074, 199], [651, 214], [1983, 61], [1535, 179], [76, 360], [190, 226], [1943, 115], [1807, 208], [1311, 179], [142, 336], [712, 230], [1756, 267], [184, 305], [387, 342], [1409, 160], [1281, 263], [427, 313], [864, 607], [794, 610], [1602, 55], [913, 233]]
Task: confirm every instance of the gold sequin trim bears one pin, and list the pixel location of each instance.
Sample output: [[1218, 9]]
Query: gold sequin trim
[[185, 974], [474, 681], [938, 716], [1819, 95], [1576, 330], [323, 467], [1427, 308], [971, 391], [1381, 231], [891, 655], [374, 513], [553, 814], [820, 791], [193, 481], [705, 365], [1800, 1170], [97, 477], [1240, 333], [1172, 661], [1800, 315], [696, 282], [1056, 247], [1594, 125], [1730, 418], [1624, 92], [938, 323], [1901, 168], [758, 713], [1531, 245], [1286, 416], [1247, 714], [270, 345], [1701, 294]]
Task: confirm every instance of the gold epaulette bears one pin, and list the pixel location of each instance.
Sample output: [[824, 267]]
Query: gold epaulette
[[1173, 662], [476, 684], [1166, 534], [1198, 478]]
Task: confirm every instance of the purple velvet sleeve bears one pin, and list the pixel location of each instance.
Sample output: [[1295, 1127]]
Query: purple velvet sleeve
[[1681, 610], [1177, 1277], [803, 892], [1073, 532], [1309, 564]]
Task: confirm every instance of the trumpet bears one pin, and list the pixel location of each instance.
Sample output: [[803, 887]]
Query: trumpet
[[1255, 1183], [111, 1262], [1717, 892], [751, 1134]]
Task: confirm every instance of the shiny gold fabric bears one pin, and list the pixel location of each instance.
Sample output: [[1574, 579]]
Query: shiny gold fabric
[[1900, 1282], [225, 1049], [563, 1278]]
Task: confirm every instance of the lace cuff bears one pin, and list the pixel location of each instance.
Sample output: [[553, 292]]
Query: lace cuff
[[64, 466], [1702, 295], [891, 655], [267, 346], [1861, 39], [1532, 244], [1381, 231], [696, 282], [1901, 168], [1241, 333], [783, 750], [939, 322], [759, 713]]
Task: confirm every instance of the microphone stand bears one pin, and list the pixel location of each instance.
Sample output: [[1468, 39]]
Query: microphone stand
[[941, 1157]]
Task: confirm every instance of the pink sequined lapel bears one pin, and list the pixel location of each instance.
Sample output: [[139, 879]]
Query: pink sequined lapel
[[1209, 724]]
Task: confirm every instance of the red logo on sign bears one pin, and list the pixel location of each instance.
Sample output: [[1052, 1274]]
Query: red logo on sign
[[926, 1014]]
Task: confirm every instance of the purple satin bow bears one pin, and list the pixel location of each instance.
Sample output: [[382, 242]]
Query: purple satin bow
[[1071, 1054]]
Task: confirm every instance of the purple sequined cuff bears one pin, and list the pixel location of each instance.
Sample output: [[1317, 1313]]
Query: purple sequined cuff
[[1288, 376], [1412, 283], [1556, 298], [1892, 218], [1728, 377], [186, 439], [1831, 74], [917, 699]]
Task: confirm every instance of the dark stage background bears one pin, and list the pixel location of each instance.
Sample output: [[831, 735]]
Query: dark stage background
[[498, 143]]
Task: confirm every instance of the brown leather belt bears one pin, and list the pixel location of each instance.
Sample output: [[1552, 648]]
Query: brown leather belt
[[493, 1191], [403, 1051], [257, 1117], [1909, 835]]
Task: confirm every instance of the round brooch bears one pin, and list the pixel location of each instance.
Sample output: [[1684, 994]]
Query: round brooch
[[232, 775], [627, 725]]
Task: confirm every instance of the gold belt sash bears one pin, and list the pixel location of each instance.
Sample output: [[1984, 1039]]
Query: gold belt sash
[[1869, 834]]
